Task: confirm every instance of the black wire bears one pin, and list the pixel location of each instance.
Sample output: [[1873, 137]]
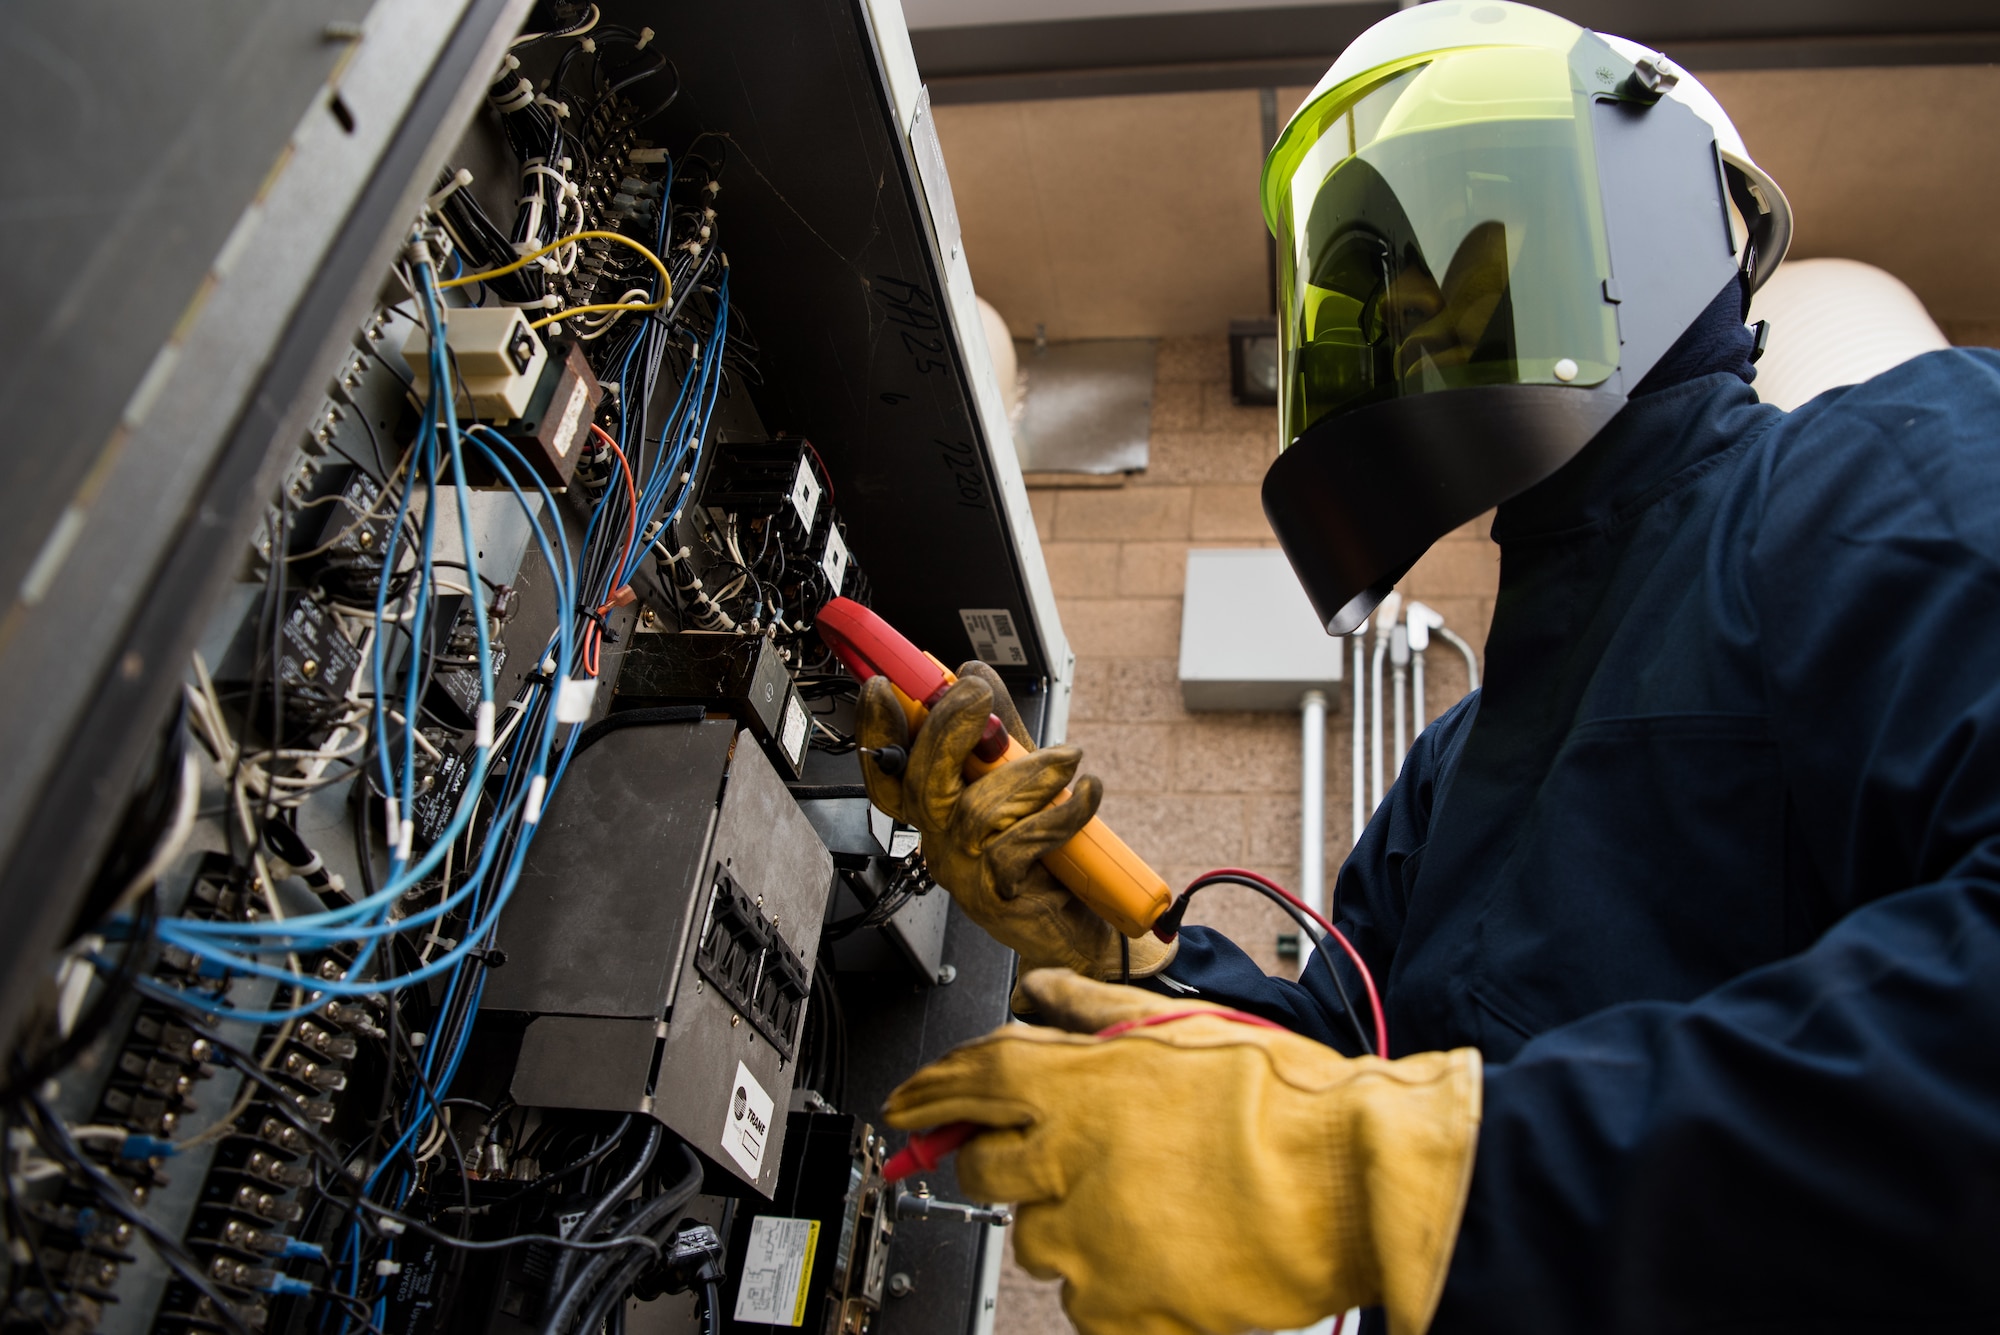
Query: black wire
[[597, 1152], [353, 1305], [649, 1216], [437, 1114], [616, 1244], [27, 1076], [52, 1134], [620, 1189], [252, 1068], [17, 1230], [1314, 932], [711, 1309]]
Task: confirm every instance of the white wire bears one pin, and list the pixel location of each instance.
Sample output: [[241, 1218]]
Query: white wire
[[176, 837]]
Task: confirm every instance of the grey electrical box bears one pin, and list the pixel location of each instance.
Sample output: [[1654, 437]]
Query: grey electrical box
[[1249, 637], [663, 936]]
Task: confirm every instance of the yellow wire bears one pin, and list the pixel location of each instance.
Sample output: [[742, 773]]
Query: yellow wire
[[666, 279], [600, 306]]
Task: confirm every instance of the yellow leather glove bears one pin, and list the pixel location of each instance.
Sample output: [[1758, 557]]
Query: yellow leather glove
[[983, 840], [1202, 1176]]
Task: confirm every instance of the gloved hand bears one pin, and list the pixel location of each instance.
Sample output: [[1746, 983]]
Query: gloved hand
[[1199, 1176], [983, 840]]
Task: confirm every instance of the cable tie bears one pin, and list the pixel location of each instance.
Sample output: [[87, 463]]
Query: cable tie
[[483, 729], [459, 181], [385, 1268], [538, 788], [405, 837], [645, 36], [522, 95], [395, 1228], [391, 819]]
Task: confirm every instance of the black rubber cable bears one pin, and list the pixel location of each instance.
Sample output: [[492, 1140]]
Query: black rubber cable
[[649, 1216], [622, 1188]]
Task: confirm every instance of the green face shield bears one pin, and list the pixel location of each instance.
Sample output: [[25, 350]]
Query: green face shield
[[1439, 228], [1487, 233]]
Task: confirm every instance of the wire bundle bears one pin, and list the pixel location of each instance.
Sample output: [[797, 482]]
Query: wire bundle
[[402, 959]]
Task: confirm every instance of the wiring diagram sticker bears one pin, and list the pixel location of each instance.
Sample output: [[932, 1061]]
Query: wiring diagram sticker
[[777, 1271]]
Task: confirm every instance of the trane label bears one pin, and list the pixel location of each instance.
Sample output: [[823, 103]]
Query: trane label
[[994, 637], [746, 1125], [805, 493]]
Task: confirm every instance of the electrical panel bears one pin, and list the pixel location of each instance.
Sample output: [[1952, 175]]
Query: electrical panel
[[439, 890]]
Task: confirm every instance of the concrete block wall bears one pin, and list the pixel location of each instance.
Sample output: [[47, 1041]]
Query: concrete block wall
[[1194, 791]]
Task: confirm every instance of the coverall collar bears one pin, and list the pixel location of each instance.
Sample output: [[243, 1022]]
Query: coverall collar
[[1654, 444]]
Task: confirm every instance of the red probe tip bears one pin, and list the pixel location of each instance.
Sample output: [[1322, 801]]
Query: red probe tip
[[927, 1149]]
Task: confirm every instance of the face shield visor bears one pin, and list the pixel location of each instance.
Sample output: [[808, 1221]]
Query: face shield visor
[[1456, 232], [1441, 230]]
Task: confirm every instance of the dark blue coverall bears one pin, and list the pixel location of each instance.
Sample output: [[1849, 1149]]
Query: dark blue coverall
[[1710, 872]]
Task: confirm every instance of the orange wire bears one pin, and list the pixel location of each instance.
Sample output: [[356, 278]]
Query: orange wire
[[631, 495], [593, 638]]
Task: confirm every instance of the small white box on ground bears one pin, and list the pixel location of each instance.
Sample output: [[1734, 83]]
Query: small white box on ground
[[1249, 637]]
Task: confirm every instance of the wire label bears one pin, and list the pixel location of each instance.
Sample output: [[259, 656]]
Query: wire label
[[746, 1127]]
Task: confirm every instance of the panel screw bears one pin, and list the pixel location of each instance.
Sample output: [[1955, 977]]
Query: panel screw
[[901, 1285], [947, 975]]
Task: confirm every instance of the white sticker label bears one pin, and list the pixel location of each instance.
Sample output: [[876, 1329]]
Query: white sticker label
[[574, 698], [572, 418], [834, 562], [805, 493], [991, 630], [902, 841], [792, 731], [777, 1271], [746, 1126]]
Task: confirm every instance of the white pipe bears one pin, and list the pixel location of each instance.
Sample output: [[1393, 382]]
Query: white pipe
[[1399, 675], [1386, 614], [1360, 742], [1375, 722], [1417, 693], [1457, 642], [1312, 799]]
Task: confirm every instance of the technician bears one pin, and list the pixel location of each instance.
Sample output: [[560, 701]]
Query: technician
[[1690, 917]]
